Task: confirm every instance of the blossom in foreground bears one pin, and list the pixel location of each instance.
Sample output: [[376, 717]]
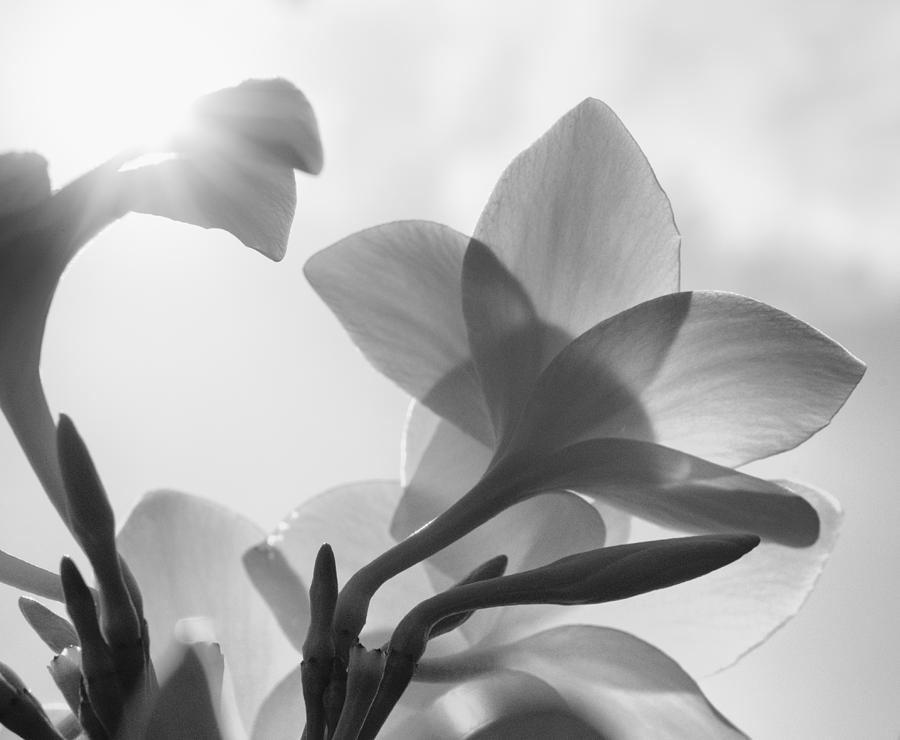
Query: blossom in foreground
[[233, 169], [559, 356]]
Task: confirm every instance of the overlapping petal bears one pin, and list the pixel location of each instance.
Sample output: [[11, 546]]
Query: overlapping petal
[[620, 685], [185, 553], [714, 374], [396, 290]]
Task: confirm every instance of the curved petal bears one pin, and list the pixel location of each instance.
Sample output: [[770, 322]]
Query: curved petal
[[715, 374], [354, 520], [580, 220], [662, 485], [185, 553], [396, 290], [709, 623], [282, 715], [252, 198], [25, 576], [623, 687], [271, 116], [24, 183], [507, 705]]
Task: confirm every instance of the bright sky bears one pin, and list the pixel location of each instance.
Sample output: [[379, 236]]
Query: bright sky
[[189, 362]]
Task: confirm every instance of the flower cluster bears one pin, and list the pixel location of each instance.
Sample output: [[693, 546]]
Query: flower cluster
[[563, 386]]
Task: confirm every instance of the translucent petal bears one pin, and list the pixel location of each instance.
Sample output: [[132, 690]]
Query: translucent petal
[[715, 374], [24, 183], [709, 623], [185, 553], [396, 290], [580, 220], [271, 115], [252, 198], [282, 715], [664, 486], [508, 705], [24, 576], [623, 687]]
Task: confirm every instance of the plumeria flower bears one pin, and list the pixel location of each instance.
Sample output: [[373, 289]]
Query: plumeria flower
[[232, 167], [556, 352]]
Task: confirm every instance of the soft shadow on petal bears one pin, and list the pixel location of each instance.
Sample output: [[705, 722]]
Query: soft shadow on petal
[[507, 705], [582, 223], [708, 623], [185, 553], [354, 520], [718, 375], [396, 290], [622, 686], [664, 486], [24, 183]]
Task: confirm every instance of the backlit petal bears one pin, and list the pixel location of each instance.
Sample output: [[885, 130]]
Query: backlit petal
[[580, 220], [708, 623], [396, 290], [715, 374], [282, 714], [185, 553], [623, 687], [24, 183]]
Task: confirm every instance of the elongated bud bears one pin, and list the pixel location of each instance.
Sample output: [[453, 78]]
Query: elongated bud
[[93, 524], [491, 569], [20, 711], [318, 648]]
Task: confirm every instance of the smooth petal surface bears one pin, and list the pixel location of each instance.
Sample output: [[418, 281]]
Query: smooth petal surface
[[252, 198], [185, 553], [715, 374], [282, 715], [272, 116], [709, 623], [664, 486], [580, 220], [508, 705], [623, 687], [354, 520], [24, 183], [396, 289], [22, 575]]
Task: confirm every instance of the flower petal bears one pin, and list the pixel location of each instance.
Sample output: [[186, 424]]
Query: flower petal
[[24, 183], [715, 374], [282, 715], [623, 687], [664, 486], [396, 290], [709, 623], [272, 116], [507, 705], [354, 520], [581, 222], [22, 575], [252, 198], [185, 553]]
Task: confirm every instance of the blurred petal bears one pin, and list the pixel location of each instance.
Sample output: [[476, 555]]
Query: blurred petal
[[396, 290], [621, 686], [448, 466], [271, 115], [185, 553], [281, 716], [56, 632], [715, 374], [581, 222], [252, 198], [24, 183], [354, 520], [507, 705], [282, 590], [709, 623], [664, 486], [22, 575]]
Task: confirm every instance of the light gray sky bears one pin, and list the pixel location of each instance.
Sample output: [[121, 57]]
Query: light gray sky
[[192, 363]]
